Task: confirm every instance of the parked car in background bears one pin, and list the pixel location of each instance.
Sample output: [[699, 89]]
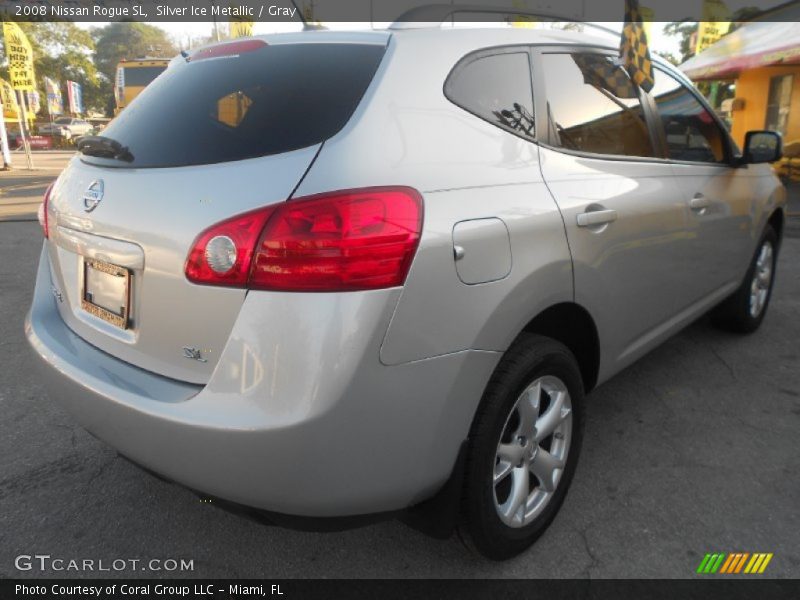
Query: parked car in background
[[14, 139], [66, 127], [359, 274]]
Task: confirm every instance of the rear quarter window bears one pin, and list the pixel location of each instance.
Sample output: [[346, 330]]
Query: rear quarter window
[[271, 100], [497, 88]]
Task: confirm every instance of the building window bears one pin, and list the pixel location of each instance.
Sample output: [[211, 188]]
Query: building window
[[780, 96]]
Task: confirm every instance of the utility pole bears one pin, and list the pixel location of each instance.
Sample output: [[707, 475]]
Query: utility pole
[[4, 149], [23, 128]]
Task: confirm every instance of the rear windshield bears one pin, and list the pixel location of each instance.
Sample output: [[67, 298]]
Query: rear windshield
[[141, 76], [274, 99]]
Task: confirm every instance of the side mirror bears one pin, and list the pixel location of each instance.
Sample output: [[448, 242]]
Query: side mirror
[[762, 147]]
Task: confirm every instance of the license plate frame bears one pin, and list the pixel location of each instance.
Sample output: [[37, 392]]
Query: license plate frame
[[121, 319]]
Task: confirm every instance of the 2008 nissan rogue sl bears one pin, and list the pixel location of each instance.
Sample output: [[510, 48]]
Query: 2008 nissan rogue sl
[[335, 274]]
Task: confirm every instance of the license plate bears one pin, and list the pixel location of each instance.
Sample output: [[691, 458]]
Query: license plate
[[106, 292]]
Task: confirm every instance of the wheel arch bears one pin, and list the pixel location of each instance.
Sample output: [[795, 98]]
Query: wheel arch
[[572, 325], [776, 221]]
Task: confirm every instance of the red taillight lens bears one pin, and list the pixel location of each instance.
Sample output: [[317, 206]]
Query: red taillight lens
[[354, 240], [205, 266], [351, 240], [41, 212]]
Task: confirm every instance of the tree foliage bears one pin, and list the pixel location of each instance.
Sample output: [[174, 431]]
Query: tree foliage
[[128, 40], [63, 51], [686, 29]]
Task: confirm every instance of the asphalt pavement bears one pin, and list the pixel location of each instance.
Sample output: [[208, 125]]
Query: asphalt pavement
[[22, 189], [694, 449]]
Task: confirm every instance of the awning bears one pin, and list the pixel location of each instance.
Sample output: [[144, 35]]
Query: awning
[[757, 44]]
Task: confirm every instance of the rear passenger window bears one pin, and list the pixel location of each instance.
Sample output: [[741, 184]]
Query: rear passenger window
[[496, 88], [691, 131], [593, 106]]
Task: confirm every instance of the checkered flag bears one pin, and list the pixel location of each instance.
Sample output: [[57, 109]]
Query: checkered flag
[[633, 47], [600, 72], [16, 61]]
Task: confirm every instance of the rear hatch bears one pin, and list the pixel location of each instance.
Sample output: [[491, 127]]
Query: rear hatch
[[233, 128]]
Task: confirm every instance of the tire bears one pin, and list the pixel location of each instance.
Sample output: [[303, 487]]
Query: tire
[[744, 311], [532, 359]]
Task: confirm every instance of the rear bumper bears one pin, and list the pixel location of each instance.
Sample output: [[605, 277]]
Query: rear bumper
[[299, 417]]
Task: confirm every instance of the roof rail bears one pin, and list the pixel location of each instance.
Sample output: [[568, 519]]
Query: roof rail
[[433, 15]]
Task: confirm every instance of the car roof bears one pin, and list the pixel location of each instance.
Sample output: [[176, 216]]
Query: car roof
[[465, 37], [480, 35]]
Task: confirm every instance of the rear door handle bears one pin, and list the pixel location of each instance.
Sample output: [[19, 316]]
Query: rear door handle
[[699, 202], [596, 217]]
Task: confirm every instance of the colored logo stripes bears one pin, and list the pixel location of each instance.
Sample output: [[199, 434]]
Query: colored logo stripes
[[734, 563]]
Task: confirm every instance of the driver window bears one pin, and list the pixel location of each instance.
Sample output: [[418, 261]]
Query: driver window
[[691, 131], [593, 106]]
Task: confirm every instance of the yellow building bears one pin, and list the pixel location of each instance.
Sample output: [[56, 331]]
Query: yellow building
[[763, 60]]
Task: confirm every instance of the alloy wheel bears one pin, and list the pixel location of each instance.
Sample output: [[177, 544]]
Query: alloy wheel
[[762, 280], [532, 451]]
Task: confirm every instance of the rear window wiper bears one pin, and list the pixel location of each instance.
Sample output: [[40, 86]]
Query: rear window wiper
[[104, 147]]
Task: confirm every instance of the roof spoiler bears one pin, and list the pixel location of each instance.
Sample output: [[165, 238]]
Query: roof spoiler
[[433, 15]]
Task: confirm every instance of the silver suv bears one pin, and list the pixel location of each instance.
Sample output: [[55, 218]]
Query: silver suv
[[348, 275]]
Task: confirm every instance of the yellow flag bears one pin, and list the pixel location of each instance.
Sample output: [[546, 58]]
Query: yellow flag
[[20, 57], [634, 49], [9, 100], [524, 21], [648, 16], [240, 26], [714, 25], [241, 29]]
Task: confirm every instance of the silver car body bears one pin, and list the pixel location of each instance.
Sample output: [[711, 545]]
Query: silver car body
[[368, 395]]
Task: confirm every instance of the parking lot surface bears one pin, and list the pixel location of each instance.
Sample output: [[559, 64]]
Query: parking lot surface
[[694, 449]]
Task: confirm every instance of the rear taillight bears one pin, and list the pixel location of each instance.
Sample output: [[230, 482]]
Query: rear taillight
[[230, 242], [41, 213], [350, 240]]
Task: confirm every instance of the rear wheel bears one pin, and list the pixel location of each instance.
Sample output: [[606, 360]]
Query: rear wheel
[[745, 309], [524, 446]]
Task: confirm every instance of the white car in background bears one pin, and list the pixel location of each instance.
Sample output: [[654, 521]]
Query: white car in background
[[66, 127]]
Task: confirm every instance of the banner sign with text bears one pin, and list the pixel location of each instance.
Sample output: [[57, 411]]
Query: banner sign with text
[[714, 25], [55, 102], [34, 102], [20, 57], [75, 97], [9, 100]]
